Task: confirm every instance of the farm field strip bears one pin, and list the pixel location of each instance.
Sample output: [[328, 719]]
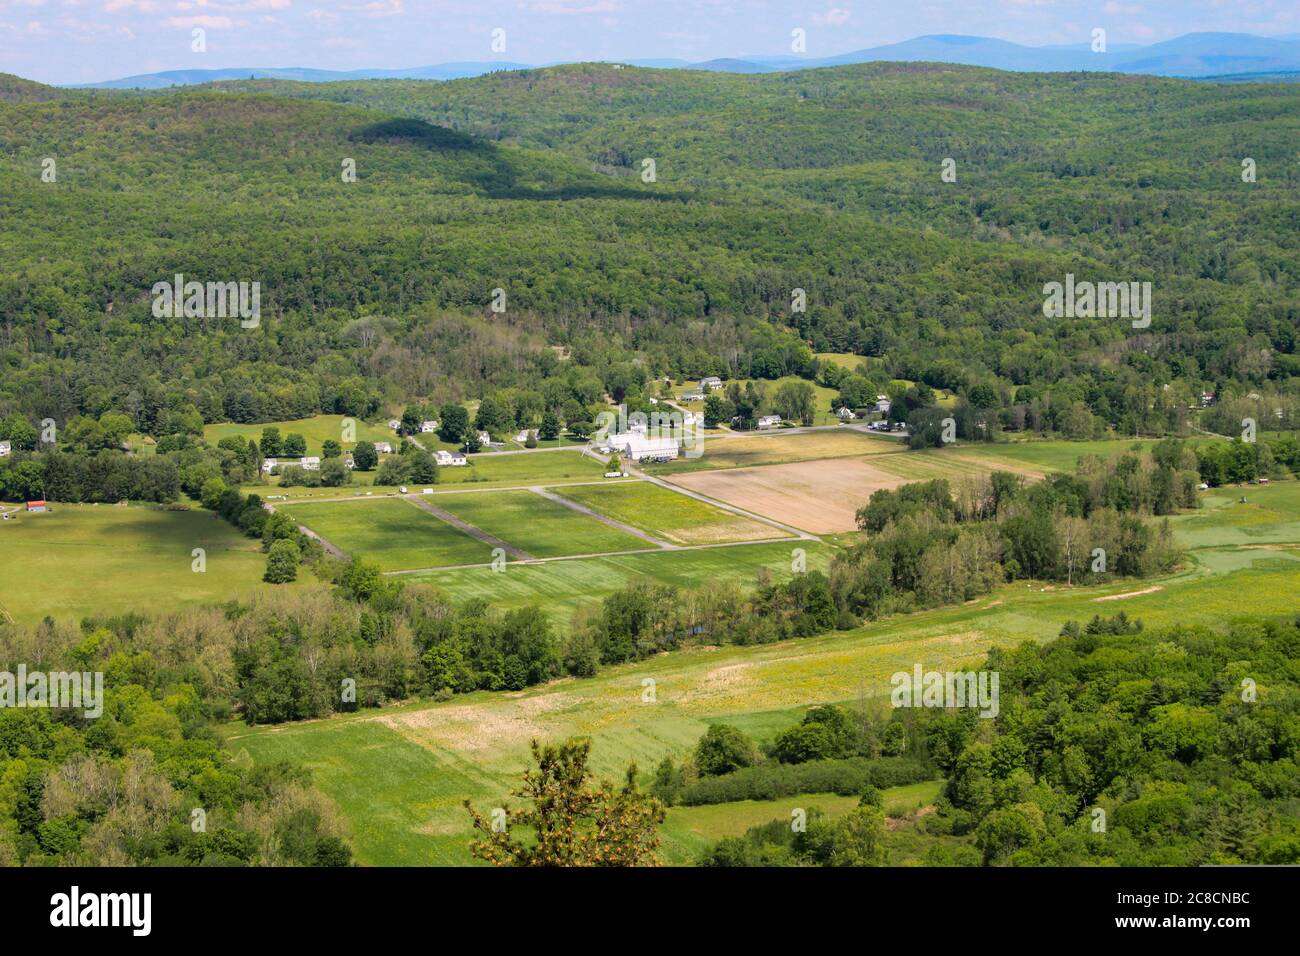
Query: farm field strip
[[580, 508], [538, 525], [747, 449], [667, 511], [464, 526], [388, 531]]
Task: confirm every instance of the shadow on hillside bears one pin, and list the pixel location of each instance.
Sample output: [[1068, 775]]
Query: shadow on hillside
[[492, 171]]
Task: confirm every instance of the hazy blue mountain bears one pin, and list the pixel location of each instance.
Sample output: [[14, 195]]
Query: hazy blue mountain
[[441, 71], [1199, 55]]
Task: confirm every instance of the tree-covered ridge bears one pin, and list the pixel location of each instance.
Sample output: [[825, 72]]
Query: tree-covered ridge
[[376, 293]]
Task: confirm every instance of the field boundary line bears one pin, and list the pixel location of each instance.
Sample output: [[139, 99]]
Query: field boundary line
[[604, 519], [473, 531]]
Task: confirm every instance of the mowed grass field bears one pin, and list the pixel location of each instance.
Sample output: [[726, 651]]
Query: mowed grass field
[[561, 587], [392, 532], [673, 517], [539, 526], [80, 560], [398, 775], [315, 430]]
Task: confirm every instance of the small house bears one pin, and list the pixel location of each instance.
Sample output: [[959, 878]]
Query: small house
[[268, 464], [769, 421], [711, 382], [845, 414], [692, 396], [309, 464], [430, 426], [6, 449], [37, 505], [394, 424], [451, 459], [383, 447], [883, 404]]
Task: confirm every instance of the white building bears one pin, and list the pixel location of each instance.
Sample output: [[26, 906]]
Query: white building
[[268, 464], [383, 447], [309, 464], [451, 459], [429, 426], [394, 423], [639, 448], [845, 414], [769, 421], [883, 404], [5, 449], [711, 381]]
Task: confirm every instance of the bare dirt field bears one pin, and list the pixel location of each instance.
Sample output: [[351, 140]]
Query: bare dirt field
[[817, 496]]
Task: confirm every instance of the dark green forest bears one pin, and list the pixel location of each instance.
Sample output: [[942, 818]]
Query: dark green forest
[[376, 292]]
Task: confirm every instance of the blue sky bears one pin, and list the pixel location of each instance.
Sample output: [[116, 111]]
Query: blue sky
[[71, 41]]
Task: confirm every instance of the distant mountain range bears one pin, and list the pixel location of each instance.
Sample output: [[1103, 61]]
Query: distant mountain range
[[1195, 55]]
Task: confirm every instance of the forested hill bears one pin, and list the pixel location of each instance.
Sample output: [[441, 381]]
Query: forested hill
[[828, 180]]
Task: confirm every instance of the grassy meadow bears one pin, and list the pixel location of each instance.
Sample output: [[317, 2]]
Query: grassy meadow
[[666, 514], [392, 532], [539, 526], [79, 560]]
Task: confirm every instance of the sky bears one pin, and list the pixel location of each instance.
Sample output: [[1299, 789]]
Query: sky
[[80, 41]]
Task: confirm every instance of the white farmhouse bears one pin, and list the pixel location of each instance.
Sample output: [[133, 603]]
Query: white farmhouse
[[268, 464], [5, 449], [711, 381], [309, 464], [383, 447], [451, 459], [429, 426], [769, 421]]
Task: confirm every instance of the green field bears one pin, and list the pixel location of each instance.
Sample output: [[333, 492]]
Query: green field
[[316, 430], [561, 587], [689, 831], [78, 560], [537, 525], [536, 468], [392, 532], [1270, 515], [666, 514], [413, 762]]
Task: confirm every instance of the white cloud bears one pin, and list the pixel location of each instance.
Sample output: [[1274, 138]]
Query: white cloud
[[833, 17]]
